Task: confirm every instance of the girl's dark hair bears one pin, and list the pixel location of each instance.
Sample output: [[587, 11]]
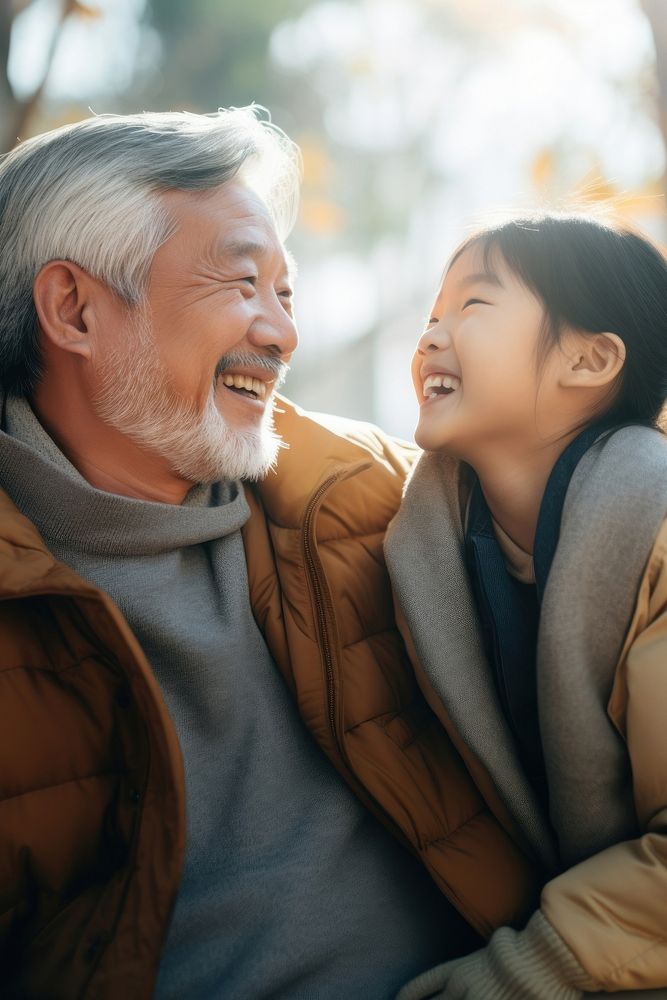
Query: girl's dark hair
[[594, 278]]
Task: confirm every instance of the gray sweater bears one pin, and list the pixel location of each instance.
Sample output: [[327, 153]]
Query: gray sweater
[[290, 889]]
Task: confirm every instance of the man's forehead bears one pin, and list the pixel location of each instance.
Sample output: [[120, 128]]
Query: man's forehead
[[229, 223], [234, 196], [255, 245], [232, 210]]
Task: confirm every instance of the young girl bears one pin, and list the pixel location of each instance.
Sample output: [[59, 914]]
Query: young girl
[[529, 560]]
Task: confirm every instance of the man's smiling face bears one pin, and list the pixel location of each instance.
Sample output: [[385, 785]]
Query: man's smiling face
[[193, 378], [221, 284]]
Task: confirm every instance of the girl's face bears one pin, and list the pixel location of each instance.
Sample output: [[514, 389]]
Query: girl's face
[[475, 369]]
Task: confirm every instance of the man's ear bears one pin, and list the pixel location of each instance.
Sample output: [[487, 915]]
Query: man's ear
[[63, 293], [592, 360]]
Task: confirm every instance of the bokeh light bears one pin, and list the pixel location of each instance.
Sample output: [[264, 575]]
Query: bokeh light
[[417, 119]]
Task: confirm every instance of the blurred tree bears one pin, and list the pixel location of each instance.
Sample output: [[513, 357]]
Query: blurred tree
[[657, 16], [413, 116], [16, 112], [215, 54]]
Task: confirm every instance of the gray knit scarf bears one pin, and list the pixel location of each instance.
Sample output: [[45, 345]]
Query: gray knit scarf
[[615, 504]]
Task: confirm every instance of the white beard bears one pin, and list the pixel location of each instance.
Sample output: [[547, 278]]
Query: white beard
[[136, 398]]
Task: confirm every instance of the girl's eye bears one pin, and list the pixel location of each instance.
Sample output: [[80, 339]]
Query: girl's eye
[[474, 302]]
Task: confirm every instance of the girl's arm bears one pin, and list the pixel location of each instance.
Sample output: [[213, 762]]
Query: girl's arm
[[602, 925]]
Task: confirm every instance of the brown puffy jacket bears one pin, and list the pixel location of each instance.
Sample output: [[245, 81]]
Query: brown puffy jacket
[[92, 796]]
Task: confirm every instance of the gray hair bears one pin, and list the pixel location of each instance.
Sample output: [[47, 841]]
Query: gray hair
[[91, 193]]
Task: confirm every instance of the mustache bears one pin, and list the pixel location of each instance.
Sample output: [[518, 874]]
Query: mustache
[[235, 359]]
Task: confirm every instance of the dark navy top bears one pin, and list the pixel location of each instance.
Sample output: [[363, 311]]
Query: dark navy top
[[510, 610]]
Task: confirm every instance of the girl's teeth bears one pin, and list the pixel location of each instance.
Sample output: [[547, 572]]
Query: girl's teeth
[[432, 383]]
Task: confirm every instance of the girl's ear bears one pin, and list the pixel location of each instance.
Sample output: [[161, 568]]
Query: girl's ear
[[592, 360]]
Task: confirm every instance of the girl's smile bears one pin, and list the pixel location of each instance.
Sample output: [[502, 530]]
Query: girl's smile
[[437, 385], [473, 370]]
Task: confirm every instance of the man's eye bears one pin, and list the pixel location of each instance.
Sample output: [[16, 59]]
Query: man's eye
[[252, 278], [474, 302]]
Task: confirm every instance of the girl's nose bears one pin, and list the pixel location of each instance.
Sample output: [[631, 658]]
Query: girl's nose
[[432, 339]]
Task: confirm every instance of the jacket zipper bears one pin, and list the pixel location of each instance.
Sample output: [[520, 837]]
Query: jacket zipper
[[323, 605], [324, 613]]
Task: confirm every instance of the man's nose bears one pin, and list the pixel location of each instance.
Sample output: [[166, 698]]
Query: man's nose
[[275, 330]]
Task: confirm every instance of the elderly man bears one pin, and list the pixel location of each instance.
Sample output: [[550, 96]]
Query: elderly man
[[180, 650]]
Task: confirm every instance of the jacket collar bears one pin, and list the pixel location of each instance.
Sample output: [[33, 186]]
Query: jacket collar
[[26, 565], [317, 449]]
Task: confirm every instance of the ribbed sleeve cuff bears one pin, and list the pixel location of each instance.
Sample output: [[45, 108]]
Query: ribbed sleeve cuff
[[533, 964], [539, 955]]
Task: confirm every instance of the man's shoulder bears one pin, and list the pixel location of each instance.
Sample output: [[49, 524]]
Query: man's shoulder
[[299, 427], [26, 564], [320, 450]]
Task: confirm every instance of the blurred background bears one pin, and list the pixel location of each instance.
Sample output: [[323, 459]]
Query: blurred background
[[417, 120]]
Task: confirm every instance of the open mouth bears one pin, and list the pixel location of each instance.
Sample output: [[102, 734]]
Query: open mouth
[[440, 385], [245, 385]]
